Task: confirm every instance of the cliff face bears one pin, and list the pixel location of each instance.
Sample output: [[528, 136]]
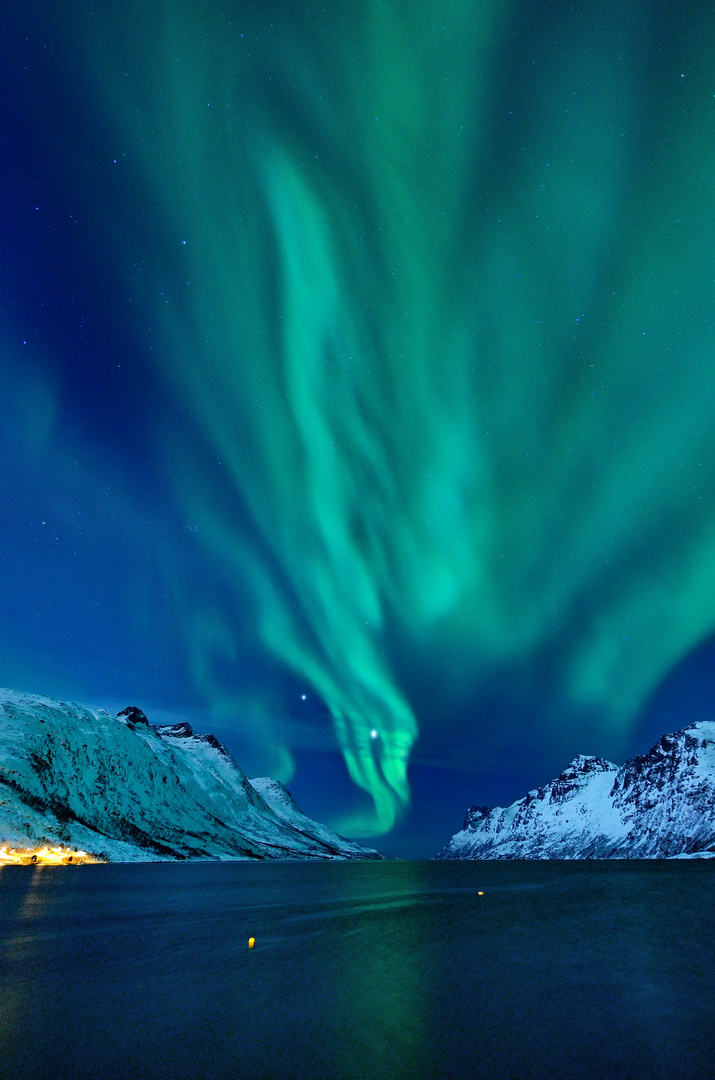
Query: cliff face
[[658, 805], [120, 787]]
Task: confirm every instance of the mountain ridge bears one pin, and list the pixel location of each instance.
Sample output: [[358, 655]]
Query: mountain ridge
[[657, 805], [123, 789]]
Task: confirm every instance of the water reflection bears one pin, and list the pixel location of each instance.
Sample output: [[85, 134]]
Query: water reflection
[[359, 970], [382, 964], [25, 897]]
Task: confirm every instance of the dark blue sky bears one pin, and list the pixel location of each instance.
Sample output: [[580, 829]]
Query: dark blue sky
[[358, 384]]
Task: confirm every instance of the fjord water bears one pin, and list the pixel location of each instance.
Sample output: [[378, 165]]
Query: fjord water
[[364, 970]]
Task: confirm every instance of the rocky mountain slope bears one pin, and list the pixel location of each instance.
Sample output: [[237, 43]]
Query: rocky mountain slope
[[659, 805], [119, 787]]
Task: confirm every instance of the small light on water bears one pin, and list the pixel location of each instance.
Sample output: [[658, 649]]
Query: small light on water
[[374, 733], [251, 942], [480, 894]]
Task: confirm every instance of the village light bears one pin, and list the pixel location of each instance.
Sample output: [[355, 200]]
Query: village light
[[56, 856]]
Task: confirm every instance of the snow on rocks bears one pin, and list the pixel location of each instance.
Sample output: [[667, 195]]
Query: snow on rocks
[[658, 805], [122, 789]]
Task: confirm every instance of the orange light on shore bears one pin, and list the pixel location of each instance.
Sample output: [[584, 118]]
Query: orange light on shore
[[43, 856], [251, 942]]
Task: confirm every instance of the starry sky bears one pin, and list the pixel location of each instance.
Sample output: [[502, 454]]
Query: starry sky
[[358, 379]]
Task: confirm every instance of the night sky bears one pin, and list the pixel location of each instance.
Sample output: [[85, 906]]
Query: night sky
[[358, 384]]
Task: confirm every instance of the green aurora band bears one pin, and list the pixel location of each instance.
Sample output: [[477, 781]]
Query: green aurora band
[[437, 296]]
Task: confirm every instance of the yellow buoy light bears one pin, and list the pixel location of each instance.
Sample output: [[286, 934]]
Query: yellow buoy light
[[251, 942], [480, 894]]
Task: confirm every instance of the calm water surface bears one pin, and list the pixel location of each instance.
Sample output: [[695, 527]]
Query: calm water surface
[[365, 970]]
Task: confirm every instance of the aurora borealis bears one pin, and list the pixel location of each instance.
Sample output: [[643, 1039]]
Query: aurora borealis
[[360, 372]]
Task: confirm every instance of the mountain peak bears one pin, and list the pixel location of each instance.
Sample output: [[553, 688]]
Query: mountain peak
[[134, 715], [182, 730], [584, 764], [658, 805]]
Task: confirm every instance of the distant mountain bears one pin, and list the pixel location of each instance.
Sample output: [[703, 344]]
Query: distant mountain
[[660, 805], [119, 787]]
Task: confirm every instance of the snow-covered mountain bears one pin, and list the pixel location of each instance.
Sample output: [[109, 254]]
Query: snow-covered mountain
[[119, 787], [657, 806]]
